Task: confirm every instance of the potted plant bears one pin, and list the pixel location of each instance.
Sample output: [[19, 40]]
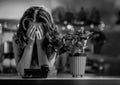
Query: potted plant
[[75, 43]]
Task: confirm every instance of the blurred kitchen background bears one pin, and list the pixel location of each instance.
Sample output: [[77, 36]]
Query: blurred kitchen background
[[65, 14]]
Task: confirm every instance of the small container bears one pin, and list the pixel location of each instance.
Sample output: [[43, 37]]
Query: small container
[[78, 65]]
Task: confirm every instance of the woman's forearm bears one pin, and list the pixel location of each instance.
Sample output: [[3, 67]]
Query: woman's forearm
[[25, 61]]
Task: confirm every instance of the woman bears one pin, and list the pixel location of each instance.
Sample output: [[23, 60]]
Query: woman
[[35, 40]]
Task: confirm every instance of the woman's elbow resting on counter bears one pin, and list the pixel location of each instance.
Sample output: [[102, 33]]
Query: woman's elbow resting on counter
[[20, 70]]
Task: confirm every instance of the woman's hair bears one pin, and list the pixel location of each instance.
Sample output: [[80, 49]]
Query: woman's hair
[[34, 14]]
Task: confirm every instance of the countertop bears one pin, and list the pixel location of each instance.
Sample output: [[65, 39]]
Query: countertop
[[60, 79], [61, 76]]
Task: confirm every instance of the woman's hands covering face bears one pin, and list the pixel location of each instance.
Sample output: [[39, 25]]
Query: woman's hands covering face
[[35, 30]]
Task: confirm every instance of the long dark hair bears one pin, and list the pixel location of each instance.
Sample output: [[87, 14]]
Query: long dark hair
[[40, 15]]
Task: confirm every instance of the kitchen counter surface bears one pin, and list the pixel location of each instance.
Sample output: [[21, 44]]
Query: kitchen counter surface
[[61, 76], [60, 79]]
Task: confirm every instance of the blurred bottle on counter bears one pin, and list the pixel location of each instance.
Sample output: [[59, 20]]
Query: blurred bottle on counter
[[6, 65], [8, 62]]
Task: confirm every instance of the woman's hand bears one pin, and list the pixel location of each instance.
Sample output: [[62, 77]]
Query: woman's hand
[[31, 35], [39, 32]]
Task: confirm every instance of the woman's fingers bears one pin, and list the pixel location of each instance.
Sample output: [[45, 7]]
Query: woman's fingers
[[33, 37], [40, 30], [39, 33], [31, 32], [39, 37]]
